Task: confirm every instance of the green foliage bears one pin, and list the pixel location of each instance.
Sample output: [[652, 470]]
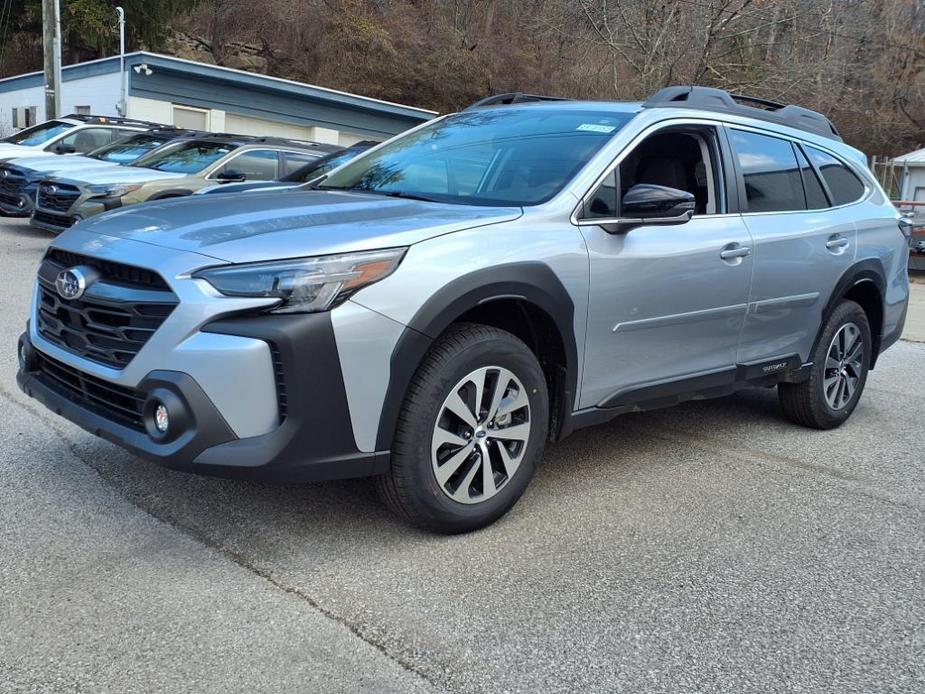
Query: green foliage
[[148, 22]]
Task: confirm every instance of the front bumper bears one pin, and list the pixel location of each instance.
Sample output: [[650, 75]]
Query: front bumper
[[314, 440], [54, 222], [20, 204]]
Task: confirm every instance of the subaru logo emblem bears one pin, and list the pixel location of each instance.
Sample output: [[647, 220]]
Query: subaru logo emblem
[[51, 190], [4, 173], [71, 283]]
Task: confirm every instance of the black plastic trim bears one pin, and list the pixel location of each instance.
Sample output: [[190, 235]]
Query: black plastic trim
[[712, 384], [170, 193], [315, 441], [532, 282], [205, 425], [869, 270]]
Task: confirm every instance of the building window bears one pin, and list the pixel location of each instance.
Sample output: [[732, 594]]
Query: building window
[[82, 110], [23, 116], [190, 118]]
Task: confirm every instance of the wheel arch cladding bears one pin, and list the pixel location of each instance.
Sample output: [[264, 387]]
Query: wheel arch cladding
[[864, 283], [172, 193], [528, 299]]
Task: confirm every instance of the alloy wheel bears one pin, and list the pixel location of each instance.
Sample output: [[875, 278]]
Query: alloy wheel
[[844, 363], [481, 435]]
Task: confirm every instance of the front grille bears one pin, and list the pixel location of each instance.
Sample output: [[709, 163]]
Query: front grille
[[113, 320], [115, 273], [282, 400], [57, 197], [59, 221], [114, 402]]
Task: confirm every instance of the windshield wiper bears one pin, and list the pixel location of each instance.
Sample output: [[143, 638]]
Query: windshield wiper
[[386, 193], [402, 194]]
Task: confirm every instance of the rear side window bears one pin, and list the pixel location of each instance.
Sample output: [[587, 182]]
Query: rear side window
[[293, 161], [815, 195], [843, 184], [769, 167]]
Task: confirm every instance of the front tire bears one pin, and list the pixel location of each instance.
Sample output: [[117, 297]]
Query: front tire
[[470, 433], [838, 375]]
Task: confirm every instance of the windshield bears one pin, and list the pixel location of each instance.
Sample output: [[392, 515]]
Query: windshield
[[128, 149], [322, 166], [39, 134], [187, 158], [519, 156]]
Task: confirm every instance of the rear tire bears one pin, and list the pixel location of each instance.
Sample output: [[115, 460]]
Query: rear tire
[[839, 372], [470, 433]]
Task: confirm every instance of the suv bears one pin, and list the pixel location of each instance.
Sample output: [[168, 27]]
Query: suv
[[170, 172], [440, 307], [20, 178], [73, 134], [294, 179]]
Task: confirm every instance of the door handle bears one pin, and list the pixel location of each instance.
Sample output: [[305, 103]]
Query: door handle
[[735, 252], [836, 243]]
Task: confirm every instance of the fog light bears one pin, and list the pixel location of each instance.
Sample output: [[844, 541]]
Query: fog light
[[161, 418], [23, 355]]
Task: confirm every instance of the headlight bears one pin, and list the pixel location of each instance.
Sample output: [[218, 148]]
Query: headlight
[[305, 285], [108, 190]]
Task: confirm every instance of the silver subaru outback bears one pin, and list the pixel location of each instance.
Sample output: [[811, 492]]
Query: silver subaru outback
[[435, 311]]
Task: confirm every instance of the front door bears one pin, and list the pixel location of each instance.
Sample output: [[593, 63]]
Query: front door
[[667, 303]]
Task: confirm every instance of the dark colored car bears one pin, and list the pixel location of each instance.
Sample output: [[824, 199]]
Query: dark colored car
[[20, 178]]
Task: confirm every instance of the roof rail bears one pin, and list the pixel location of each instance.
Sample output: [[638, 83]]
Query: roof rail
[[711, 99], [512, 98], [117, 120]]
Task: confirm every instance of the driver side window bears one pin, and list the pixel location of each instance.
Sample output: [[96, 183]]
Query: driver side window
[[685, 159]]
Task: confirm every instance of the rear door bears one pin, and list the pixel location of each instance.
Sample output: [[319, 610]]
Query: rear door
[[803, 244]]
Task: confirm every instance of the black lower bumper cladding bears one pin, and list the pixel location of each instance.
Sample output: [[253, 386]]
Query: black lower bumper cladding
[[313, 442]]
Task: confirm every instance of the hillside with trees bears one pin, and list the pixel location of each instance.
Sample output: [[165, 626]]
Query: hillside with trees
[[861, 63]]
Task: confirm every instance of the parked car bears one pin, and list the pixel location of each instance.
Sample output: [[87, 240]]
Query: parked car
[[168, 173], [73, 134], [304, 174], [19, 178], [439, 308]]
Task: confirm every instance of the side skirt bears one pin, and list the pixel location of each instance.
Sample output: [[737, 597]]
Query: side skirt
[[714, 384]]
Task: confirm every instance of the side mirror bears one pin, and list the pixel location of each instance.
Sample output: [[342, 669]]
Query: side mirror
[[231, 176], [644, 204], [64, 148], [653, 204]]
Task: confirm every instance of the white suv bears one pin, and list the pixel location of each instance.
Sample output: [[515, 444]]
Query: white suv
[[74, 134]]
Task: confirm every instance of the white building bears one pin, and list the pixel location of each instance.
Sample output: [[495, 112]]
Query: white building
[[196, 95], [910, 168]]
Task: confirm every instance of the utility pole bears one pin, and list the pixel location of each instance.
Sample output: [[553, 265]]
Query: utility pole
[[123, 101], [51, 44]]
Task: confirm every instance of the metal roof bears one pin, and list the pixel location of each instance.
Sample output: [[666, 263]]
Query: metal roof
[[916, 158], [217, 72]]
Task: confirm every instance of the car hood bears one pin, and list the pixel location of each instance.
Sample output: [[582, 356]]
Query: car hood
[[8, 151], [288, 224], [125, 174], [48, 166]]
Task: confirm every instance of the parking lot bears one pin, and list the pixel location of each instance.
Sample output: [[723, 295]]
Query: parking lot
[[711, 547]]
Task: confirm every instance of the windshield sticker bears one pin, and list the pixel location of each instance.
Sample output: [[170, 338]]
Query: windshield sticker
[[595, 128]]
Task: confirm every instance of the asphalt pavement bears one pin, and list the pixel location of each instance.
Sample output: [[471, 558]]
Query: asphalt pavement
[[713, 547]]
